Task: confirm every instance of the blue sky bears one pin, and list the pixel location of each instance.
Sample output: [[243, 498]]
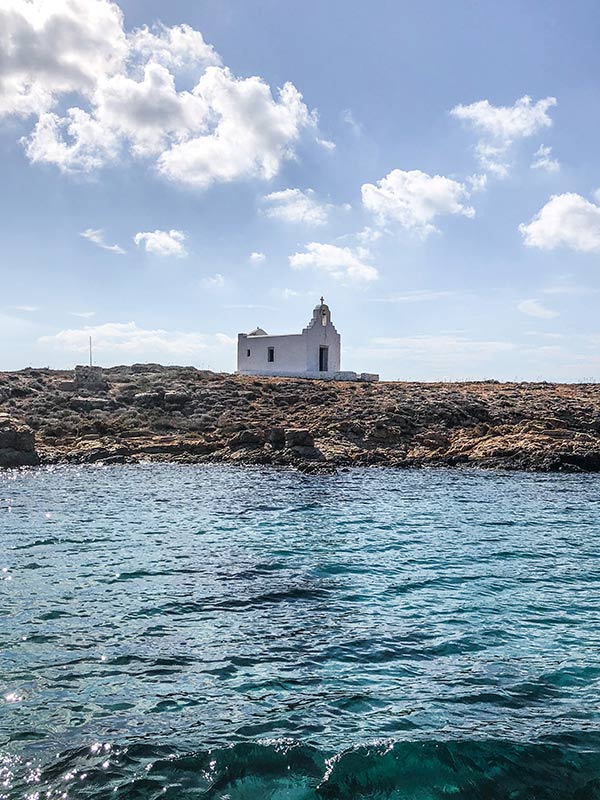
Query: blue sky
[[173, 174]]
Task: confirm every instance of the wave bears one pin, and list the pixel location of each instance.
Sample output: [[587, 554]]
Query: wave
[[278, 770]]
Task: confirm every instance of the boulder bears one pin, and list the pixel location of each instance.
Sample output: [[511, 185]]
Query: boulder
[[246, 439], [17, 444], [298, 437], [276, 438], [90, 403]]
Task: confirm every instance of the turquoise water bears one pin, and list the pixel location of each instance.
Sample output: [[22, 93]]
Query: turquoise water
[[209, 632]]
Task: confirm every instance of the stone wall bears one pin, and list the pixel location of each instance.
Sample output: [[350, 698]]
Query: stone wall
[[90, 378]]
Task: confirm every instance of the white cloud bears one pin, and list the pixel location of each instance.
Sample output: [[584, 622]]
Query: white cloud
[[350, 120], [368, 235], [149, 113], [567, 220], [162, 243], [507, 123], [128, 338], [125, 96], [97, 237], [256, 257], [25, 309], [542, 159], [83, 314], [500, 126], [253, 133], [75, 142], [340, 263], [216, 281], [414, 199], [477, 183], [294, 205], [180, 48], [53, 47], [534, 308], [326, 144], [493, 158]]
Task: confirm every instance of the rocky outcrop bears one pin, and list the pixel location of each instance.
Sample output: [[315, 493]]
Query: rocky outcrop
[[90, 403], [17, 444], [299, 438], [149, 412]]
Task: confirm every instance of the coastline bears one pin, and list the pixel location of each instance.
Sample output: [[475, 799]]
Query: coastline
[[148, 412]]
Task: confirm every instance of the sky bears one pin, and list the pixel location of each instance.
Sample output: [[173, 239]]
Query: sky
[[172, 174]]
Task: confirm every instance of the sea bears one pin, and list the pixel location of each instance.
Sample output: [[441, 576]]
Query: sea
[[178, 631]]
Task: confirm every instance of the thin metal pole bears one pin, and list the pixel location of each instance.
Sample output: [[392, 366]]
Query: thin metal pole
[[91, 362]]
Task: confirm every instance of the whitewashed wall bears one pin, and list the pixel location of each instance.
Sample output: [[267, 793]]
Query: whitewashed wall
[[290, 354], [295, 354], [319, 336]]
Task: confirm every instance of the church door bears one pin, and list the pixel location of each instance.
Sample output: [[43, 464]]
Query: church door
[[323, 359]]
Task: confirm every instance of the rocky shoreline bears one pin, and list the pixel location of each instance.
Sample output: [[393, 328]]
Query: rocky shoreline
[[148, 412]]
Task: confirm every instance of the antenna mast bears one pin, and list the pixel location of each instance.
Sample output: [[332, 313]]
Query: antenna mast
[[91, 361]]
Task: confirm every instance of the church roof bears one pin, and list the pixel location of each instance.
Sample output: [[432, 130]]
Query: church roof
[[258, 332]]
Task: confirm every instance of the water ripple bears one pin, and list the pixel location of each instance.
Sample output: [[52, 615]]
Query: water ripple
[[176, 631]]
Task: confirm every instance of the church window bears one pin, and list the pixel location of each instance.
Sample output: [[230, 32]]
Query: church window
[[248, 353], [271, 354]]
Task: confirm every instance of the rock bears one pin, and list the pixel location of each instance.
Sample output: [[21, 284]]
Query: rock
[[246, 439], [276, 438], [176, 398], [287, 399], [90, 403], [182, 414], [298, 437], [112, 460], [149, 399], [307, 452], [95, 452], [161, 445], [17, 444]]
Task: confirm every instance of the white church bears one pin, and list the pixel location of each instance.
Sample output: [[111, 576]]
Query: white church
[[314, 353]]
